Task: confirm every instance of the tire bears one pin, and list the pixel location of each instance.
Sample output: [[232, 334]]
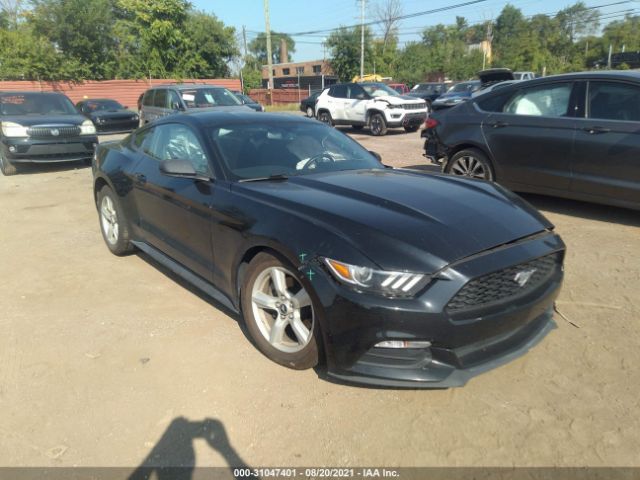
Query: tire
[[378, 125], [7, 167], [296, 343], [411, 129], [113, 223], [310, 113], [357, 127], [325, 117], [471, 163]]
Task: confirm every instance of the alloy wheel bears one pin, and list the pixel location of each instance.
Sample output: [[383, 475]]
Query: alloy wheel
[[109, 220], [469, 166], [282, 310]]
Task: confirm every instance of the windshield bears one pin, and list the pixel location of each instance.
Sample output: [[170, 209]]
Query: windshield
[[102, 105], [463, 87], [256, 150], [35, 104], [209, 97], [379, 90]]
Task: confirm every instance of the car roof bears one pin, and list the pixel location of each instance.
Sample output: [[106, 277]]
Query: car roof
[[216, 118], [98, 100], [594, 74], [186, 86]]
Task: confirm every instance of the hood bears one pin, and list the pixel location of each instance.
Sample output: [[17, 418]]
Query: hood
[[495, 75], [226, 108], [398, 99], [403, 219], [31, 120]]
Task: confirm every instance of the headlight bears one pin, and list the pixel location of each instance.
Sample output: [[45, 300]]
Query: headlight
[[135, 117], [392, 284], [11, 129], [87, 128]]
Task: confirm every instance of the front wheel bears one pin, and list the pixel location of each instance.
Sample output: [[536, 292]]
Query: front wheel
[[378, 125], [325, 117], [113, 224], [7, 167], [470, 163], [279, 313]]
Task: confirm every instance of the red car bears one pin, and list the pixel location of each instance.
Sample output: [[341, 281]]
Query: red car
[[401, 88]]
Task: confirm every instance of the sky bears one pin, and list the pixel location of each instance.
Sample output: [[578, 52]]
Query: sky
[[291, 16]]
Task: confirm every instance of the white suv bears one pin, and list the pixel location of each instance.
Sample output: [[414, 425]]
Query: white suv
[[370, 104]]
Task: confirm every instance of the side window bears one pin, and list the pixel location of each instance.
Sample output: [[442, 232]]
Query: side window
[[495, 103], [178, 142], [357, 92], [338, 91], [143, 140], [546, 100], [614, 101], [174, 100], [160, 99], [148, 98]]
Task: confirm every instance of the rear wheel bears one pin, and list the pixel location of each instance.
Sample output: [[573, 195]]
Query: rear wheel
[[6, 166], [470, 163], [310, 112], [411, 128], [378, 125], [279, 313], [325, 117], [113, 223]]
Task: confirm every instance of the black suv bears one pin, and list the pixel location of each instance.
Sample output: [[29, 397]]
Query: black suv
[[41, 127], [166, 100]]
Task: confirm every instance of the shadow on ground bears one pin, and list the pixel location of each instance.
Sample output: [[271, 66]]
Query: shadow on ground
[[36, 168], [174, 456]]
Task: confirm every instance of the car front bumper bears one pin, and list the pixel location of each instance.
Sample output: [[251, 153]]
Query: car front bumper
[[413, 119], [31, 150], [117, 126], [463, 345]]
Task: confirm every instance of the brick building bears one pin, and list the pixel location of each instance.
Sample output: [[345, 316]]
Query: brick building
[[313, 74]]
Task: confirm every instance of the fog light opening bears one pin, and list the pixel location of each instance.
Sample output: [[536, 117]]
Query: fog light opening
[[12, 148], [403, 344]]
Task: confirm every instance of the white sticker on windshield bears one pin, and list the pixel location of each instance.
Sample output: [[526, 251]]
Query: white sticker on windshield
[[188, 97]]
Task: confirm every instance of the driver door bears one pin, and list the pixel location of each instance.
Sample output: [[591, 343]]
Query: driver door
[[175, 213]]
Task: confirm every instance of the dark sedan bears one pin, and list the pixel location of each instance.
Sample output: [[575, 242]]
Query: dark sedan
[[428, 91], [109, 116], [40, 127], [394, 277], [308, 105], [574, 135], [247, 101]]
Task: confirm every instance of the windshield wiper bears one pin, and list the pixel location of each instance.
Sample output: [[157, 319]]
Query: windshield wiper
[[278, 176]]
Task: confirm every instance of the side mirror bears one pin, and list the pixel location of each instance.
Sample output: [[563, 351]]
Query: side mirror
[[176, 106], [180, 168], [377, 155]]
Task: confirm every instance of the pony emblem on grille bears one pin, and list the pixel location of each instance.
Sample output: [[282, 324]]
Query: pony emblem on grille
[[521, 278]]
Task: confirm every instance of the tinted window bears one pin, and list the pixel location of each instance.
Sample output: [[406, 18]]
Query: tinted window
[[178, 142], [209, 97], [614, 101], [160, 99], [495, 103], [98, 105], [260, 150], [148, 98], [174, 100], [546, 100], [357, 92], [144, 139], [338, 91]]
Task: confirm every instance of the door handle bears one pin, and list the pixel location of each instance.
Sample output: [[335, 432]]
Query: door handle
[[140, 178], [499, 124], [596, 130]]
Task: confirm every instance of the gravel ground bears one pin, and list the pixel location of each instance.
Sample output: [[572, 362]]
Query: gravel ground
[[108, 361]]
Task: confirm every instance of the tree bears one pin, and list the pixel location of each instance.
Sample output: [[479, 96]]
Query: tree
[[210, 45], [344, 48], [81, 30], [258, 47], [388, 12]]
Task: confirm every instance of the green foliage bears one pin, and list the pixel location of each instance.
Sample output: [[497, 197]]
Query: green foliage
[[258, 47], [344, 47], [252, 78]]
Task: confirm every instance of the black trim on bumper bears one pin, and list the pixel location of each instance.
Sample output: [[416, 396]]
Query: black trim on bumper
[[31, 150]]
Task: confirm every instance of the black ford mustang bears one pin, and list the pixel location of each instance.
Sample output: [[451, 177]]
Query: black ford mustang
[[393, 277], [108, 115]]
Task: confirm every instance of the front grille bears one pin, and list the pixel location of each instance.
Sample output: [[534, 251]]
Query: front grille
[[53, 132], [414, 106], [503, 284]]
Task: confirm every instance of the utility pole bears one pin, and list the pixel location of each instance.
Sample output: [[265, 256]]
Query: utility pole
[[362, 39], [244, 41], [269, 57]]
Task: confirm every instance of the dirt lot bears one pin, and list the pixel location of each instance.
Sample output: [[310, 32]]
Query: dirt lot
[[109, 361]]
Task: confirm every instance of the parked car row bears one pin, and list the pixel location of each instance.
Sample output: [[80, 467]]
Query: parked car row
[[40, 127]]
